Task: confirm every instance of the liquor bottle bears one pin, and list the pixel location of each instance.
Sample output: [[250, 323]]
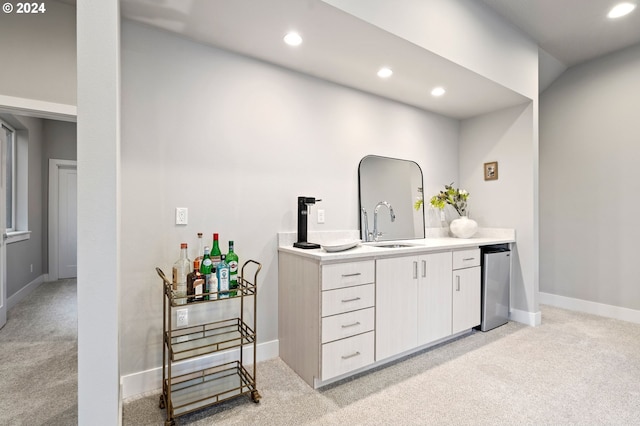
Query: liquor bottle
[[232, 261], [223, 279], [180, 271], [200, 251], [195, 283], [205, 269], [216, 254]]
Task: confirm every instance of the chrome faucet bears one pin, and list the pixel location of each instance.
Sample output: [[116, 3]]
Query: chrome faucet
[[365, 227], [376, 233]]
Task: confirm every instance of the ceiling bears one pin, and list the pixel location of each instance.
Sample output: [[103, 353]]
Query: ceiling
[[345, 50], [572, 31]]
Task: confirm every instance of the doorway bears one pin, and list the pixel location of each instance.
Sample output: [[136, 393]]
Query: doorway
[[62, 219]]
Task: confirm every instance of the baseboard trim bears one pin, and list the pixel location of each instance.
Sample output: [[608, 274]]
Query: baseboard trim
[[588, 307], [24, 292], [150, 381], [533, 319]]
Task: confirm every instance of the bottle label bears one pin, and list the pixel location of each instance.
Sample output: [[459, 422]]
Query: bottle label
[[223, 282], [233, 266], [198, 288], [175, 278]]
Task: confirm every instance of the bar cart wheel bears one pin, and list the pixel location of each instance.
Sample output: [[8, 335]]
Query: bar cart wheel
[[161, 404], [171, 422], [255, 396]]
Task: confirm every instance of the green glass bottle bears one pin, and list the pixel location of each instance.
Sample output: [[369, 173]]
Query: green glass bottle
[[216, 254], [232, 261], [206, 267]]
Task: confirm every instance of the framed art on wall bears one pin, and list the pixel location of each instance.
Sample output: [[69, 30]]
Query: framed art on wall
[[491, 170]]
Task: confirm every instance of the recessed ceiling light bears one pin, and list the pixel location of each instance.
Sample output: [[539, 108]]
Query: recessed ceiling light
[[621, 10], [438, 91], [385, 72], [293, 39]]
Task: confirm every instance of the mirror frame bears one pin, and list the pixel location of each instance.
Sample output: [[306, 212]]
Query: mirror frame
[[370, 215]]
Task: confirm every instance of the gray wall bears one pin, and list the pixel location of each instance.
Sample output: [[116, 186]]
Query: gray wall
[[22, 254], [590, 181], [505, 136], [47, 139], [39, 54], [61, 144]]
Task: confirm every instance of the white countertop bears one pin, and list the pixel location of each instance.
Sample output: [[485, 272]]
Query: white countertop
[[484, 237]]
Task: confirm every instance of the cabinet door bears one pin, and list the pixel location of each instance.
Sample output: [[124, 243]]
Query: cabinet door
[[466, 299], [396, 305], [434, 297]]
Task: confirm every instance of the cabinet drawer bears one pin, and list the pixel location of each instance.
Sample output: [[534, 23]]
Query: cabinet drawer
[[347, 274], [346, 325], [466, 258], [347, 299], [346, 355]]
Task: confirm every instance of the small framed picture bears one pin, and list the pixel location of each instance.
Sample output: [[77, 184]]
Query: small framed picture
[[491, 171]]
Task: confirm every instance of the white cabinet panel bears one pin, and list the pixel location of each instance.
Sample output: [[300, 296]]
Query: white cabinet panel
[[396, 305], [346, 355], [434, 297], [346, 325], [347, 299], [348, 274], [466, 258], [466, 299]]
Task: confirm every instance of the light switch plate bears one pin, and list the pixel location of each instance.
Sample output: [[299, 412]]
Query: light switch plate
[[181, 215], [320, 216]]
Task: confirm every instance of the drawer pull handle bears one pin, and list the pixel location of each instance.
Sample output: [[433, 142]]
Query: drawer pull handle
[[457, 282], [350, 356], [350, 300], [466, 259], [351, 275], [351, 325], [424, 268], [415, 270]]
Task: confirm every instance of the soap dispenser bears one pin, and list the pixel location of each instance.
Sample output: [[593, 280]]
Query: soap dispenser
[[303, 213]]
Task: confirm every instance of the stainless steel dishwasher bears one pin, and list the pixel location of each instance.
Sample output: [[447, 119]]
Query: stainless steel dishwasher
[[496, 280]]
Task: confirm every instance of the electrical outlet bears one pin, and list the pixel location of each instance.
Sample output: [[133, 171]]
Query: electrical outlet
[[181, 215], [182, 317], [320, 216]]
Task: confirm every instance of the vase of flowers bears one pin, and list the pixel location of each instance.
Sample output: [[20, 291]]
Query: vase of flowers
[[463, 227]]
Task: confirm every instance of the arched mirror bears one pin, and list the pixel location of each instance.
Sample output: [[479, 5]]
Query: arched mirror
[[388, 191]]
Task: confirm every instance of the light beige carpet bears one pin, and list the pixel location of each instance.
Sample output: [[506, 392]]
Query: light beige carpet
[[575, 369]]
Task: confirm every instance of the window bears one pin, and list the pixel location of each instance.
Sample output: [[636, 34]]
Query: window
[[15, 154], [10, 178]]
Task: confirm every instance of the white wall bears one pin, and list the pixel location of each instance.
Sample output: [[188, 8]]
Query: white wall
[[99, 401], [590, 181], [236, 141], [39, 54], [463, 31], [467, 33], [504, 136]]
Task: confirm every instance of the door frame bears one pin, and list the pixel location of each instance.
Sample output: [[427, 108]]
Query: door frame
[[54, 167]]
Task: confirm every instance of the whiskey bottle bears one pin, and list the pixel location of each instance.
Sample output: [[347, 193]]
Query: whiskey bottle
[[195, 283]]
